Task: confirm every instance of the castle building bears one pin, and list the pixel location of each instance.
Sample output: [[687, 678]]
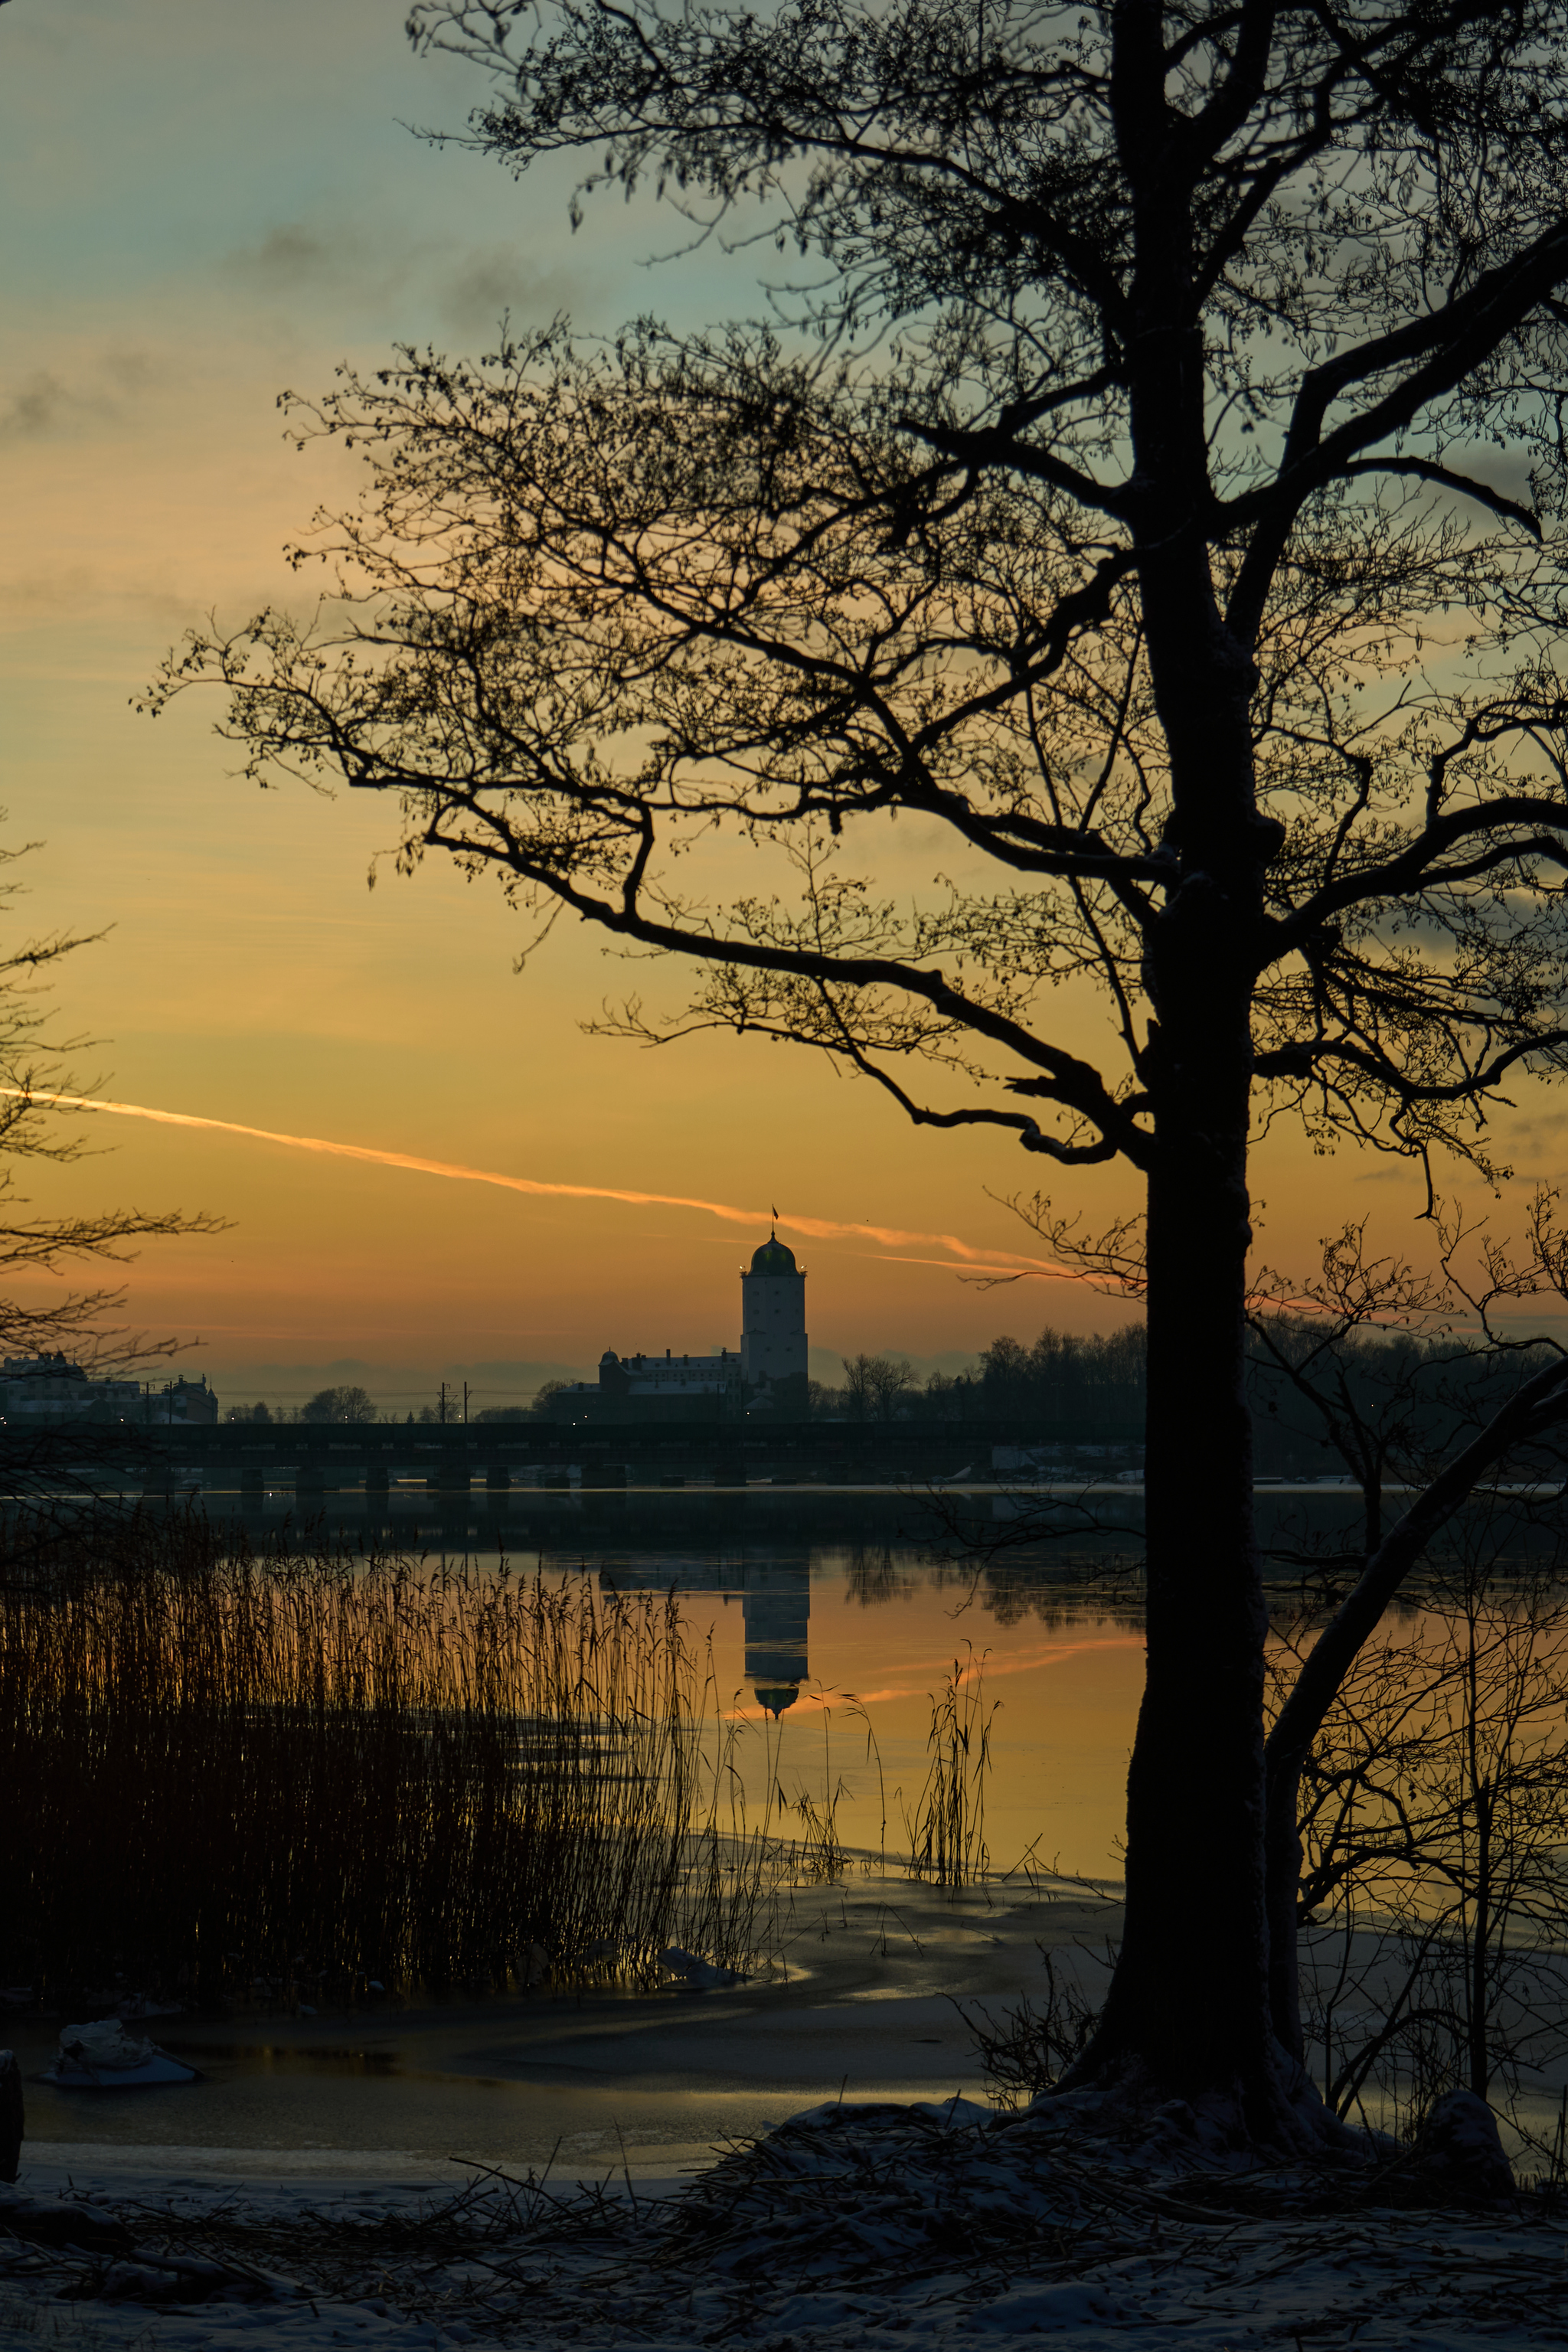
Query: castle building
[[767, 1375], [51, 1388], [670, 1378], [772, 1330]]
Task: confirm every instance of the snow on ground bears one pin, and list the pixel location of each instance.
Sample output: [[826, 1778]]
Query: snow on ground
[[302, 2195], [925, 2225]]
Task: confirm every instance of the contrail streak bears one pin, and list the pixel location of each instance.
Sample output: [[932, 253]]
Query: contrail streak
[[1006, 1270], [815, 1228]]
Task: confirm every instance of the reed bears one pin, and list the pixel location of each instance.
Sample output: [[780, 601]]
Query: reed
[[947, 1832], [225, 1769]]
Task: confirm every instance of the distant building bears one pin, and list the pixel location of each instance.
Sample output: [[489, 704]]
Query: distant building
[[699, 1385], [50, 1388], [767, 1374], [36, 1388], [182, 1401]]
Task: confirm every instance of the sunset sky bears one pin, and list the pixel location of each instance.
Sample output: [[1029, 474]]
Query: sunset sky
[[209, 201]]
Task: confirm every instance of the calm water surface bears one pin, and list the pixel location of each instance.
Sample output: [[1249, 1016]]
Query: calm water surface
[[833, 1655], [827, 1655]]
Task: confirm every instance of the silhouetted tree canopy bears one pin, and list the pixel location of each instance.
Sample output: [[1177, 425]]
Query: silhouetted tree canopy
[[1149, 484], [341, 1404], [1066, 1374]]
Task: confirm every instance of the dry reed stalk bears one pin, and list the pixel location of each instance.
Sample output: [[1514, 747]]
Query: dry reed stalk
[[223, 1766], [947, 1834]]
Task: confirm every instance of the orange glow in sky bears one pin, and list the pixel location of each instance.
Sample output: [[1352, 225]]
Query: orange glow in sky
[[817, 1228], [224, 201]]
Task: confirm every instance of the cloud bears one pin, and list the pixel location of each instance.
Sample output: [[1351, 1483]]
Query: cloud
[[35, 595], [476, 296], [301, 260], [471, 288], [131, 373], [35, 409], [287, 256], [43, 405]]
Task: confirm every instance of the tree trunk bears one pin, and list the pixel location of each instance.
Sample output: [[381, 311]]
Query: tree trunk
[[1188, 2009], [1189, 1999]]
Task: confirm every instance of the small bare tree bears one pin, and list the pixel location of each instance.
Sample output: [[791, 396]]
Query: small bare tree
[[876, 1387], [1434, 1894], [1393, 1365], [34, 1081], [1432, 1902]]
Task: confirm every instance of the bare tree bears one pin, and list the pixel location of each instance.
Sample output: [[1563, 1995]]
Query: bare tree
[[54, 1475], [876, 1388], [1153, 484], [1432, 1903], [33, 1080], [341, 1403], [1394, 1366]]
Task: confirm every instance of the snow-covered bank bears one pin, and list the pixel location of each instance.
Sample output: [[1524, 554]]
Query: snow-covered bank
[[932, 2225], [860, 2002], [302, 2194]]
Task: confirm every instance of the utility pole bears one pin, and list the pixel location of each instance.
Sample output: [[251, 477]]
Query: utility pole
[[465, 1404]]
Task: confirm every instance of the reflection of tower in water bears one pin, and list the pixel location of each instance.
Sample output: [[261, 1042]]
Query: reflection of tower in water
[[777, 1607]]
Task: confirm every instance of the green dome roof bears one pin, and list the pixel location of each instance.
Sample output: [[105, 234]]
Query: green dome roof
[[773, 1258]]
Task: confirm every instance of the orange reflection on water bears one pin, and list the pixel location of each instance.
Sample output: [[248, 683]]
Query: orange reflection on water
[[1060, 1679]]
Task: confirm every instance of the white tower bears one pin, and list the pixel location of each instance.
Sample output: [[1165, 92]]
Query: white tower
[[772, 1329]]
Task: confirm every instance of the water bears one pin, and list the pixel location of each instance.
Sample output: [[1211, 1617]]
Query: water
[[833, 1655], [829, 1653], [659, 2081], [848, 1643], [840, 1607]]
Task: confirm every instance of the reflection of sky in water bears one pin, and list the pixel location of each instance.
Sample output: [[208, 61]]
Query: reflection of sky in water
[[864, 1636]]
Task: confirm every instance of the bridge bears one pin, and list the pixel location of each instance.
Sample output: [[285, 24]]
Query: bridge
[[536, 1480]]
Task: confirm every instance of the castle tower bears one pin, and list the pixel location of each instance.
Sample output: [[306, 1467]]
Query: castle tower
[[777, 1606], [772, 1330]]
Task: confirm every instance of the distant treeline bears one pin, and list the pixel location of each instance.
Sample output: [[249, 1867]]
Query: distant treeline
[[357, 1405], [1383, 1403], [1097, 1380], [1398, 1398]]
